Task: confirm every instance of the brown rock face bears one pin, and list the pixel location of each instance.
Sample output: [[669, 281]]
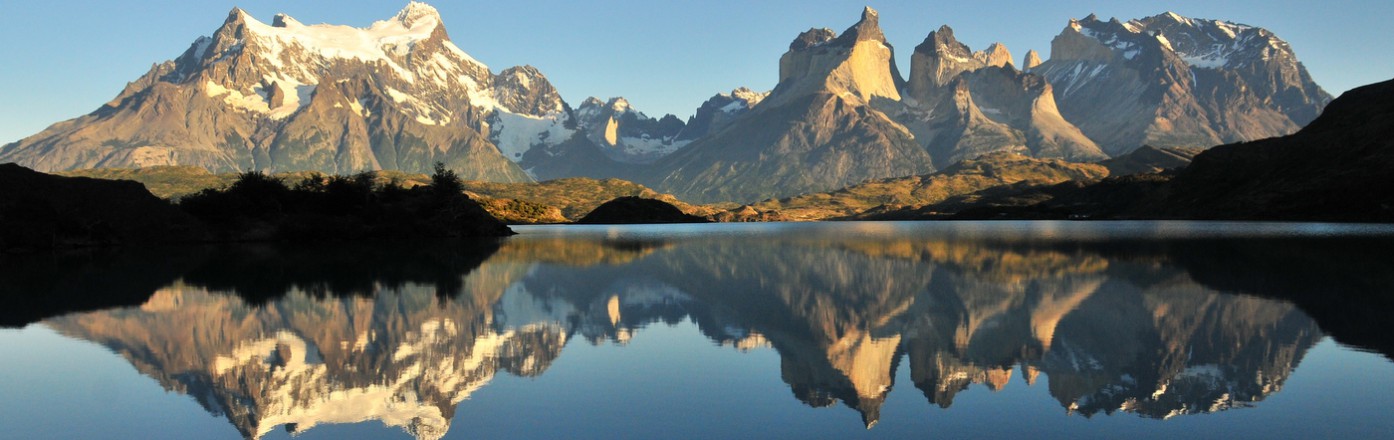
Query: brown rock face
[[820, 128], [995, 55], [963, 105], [1031, 60]]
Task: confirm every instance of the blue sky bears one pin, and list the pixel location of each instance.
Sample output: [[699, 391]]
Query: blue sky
[[65, 58]]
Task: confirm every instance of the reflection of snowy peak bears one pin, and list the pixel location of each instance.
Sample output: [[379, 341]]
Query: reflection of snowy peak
[[1111, 335], [300, 361]]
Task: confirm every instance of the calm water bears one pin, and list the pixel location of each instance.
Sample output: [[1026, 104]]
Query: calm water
[[836, 330]]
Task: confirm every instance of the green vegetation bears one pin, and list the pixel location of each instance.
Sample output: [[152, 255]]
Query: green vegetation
[[521, 212]]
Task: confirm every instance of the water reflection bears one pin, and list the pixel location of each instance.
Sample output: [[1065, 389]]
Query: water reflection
[[296, 338]]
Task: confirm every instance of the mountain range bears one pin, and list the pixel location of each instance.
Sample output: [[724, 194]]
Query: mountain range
[[400, 95]]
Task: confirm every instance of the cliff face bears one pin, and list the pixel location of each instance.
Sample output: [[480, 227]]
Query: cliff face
[[818, 130], [965, 104]]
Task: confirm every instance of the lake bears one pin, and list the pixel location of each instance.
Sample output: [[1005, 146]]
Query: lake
[[773, 330]]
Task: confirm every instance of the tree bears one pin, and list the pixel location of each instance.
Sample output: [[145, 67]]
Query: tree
[[444, 181]]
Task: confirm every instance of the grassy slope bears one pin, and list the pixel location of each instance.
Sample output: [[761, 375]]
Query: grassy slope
[[566, 200], [964, 178], [576, 196]]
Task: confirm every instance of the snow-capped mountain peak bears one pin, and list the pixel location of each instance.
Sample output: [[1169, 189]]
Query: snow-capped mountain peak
[[384, 40], [619, 105], [1214, 44], [418, 14]]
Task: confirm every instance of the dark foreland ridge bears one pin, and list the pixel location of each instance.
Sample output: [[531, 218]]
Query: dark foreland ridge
[[42, 211], [259, 96]]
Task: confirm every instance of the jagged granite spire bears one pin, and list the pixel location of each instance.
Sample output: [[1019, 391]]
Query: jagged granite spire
[[867, 29], [938, 60], [811, 38], [995, 55], [1031, 60]]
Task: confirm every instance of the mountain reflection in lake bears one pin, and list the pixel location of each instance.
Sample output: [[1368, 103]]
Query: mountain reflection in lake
[[1129, 321]]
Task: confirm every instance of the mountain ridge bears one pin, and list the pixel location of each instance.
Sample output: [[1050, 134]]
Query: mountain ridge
[[400, 95]]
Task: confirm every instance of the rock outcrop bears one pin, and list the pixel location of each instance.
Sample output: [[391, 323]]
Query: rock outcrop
[[637, 210]]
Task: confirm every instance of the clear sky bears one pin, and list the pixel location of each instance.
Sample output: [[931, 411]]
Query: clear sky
[[64, 58]]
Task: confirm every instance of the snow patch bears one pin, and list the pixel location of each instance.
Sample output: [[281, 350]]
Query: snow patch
[[237, 99], [734, 106], [515, 133], [649, 147], [201, 47], [385, 43], [357, 107]]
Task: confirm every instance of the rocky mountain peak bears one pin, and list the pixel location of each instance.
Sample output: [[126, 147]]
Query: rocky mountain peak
[[283, 20], [866, 29], [939, 59], [1094, 40], [750, 97], [859, 63], [332, 98], [995, 55], [1172, 16], [235, 16], [418, 14], [618, 104], [811, 38], [720, 110], [942, 42], [525, 90], [1031, 60], [1178, 81], [1267, 64]]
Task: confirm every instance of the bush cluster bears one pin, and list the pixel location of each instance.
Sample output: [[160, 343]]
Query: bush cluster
[[257, 206]]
